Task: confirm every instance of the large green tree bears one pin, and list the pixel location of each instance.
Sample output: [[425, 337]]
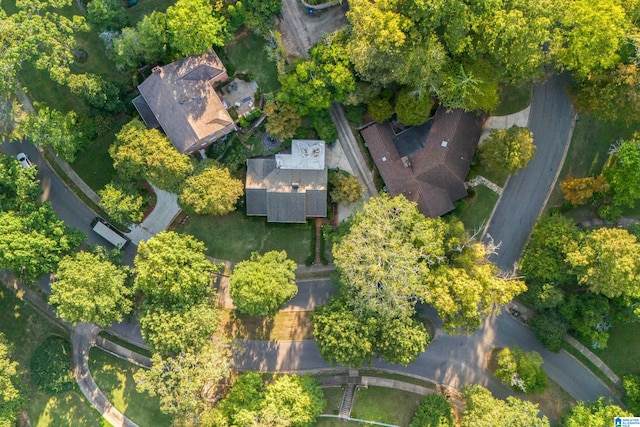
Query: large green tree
[[33, 243], [392, 254], [172, 270], [51, 128], [121, 205], [90, 288], [193, 27], [211, 190], [599, 413], [484, 410], [623, 173], [139, 152], [413, 109], [607, 260], [12, 397], [19, 188], [39, 33], [262, 284], [282, 120], [189, 383], [107, 15], [434, 411], [291, 400], [521, 370], [344, 188], [509, 150], [171, 331]]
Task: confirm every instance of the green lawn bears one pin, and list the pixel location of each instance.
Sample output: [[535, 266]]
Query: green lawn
[[145, 7], [333, 395], [588, 150], [235, 236], [335, 422], [385, 405], [475, 210], [94, 164], [623, 351], [513, 98], [115, 377], [247, 55], [26, 329]]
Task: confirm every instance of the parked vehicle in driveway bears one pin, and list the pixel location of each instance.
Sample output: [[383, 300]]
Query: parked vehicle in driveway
[[24, 160], [110, 233]]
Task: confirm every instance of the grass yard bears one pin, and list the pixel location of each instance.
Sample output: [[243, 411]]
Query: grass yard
[[475, 210], [623, 351], [26, 329], [588, 150], [246, 53], [145, 7], [94, 164], [235, 236], [335, 422], [385, 405], [115, 377], [285, 325], [333, 396], [513, 98]]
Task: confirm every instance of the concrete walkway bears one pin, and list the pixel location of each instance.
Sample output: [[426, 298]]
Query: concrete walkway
[[83, 337], [352, 150], [159, 219], [481, 180], [520, 118]]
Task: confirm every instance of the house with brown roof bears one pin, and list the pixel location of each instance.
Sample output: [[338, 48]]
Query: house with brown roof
[[181, 99], [288, 187], [428, 164]]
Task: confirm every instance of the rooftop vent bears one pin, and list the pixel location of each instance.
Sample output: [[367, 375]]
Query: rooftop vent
[[295, 185], [444, 144], [384, 159], [406, 162], [155, 69]]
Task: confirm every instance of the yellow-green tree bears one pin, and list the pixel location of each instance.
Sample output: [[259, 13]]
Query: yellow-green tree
[[508, 149], [211, 191], [578, 191]]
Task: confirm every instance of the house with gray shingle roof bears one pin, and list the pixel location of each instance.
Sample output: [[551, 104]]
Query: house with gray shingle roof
[[288, 187], [181, 99], [435, 159]]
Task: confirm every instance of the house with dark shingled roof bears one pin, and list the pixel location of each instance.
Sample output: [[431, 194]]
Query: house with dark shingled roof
[[181, 99], [435, 159], [288, 187]]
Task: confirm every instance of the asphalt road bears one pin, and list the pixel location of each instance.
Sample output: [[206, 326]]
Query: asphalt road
[[525, 194], [67, 205]]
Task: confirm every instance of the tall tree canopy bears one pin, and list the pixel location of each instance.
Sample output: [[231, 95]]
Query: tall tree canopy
[[509, 150], [188, 384], [607, 260], [282, 120], [11, 396], [623, 173], [484, 410], [37, 32], [193, 27], [19, 188], [598, 413], [211, 190], [90, 288], [172, 270], [139, 152], [260, 285], [392, 254]]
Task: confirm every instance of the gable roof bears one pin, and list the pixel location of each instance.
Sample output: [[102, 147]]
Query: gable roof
[[183, 101], [433, 175], [286, 195]]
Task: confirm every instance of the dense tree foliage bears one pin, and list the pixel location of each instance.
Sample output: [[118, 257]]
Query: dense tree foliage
[[282, 120], [623, 173], [146, 43], [262, 284], [521, 370], [413, 109], [97, 91], [107, 15], [211, 190], [38, 33], [344, 188], [189, 383], [90, 288], [483, 410], [598, 413], [122, 206], [259, 14], [193, 27], [288, 400], [51, 128], [380, 109], [631, 385], [171, 331], [434, 411], [11, 394], [393, 254], [172, 270], [579, 191], [19, 188], [509, 150], [139, 152], [607, 260]]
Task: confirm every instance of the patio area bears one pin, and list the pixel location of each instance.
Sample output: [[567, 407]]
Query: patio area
[[239, 94]]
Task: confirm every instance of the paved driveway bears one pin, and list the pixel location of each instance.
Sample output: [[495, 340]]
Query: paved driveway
[[526, 193]]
